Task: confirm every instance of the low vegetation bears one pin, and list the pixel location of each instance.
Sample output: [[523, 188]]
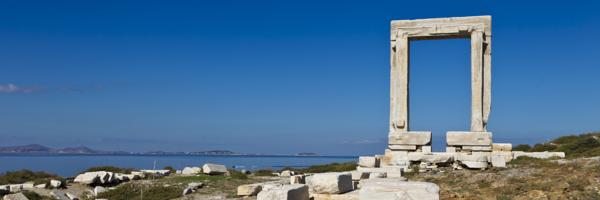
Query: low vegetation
[[22, 176], [333, 167], [264, 172], [35, 196], [131, 191], [574, 146], [110, 169]]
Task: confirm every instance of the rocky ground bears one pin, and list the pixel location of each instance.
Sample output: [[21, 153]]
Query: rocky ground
[[525, 178]]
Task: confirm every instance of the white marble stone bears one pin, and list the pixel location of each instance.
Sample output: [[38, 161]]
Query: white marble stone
[[502, 147], [462, 138], [498, 161], [368, 161], [191, 170], [17, 196], [214, 169], [285, 192], [55, 183], [330, 183], [249, 189], [390, 189]]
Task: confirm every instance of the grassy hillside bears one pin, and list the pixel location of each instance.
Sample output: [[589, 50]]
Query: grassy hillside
[[574, 146]]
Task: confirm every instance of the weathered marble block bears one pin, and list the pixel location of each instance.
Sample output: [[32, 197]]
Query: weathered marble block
[[465, 138], [368, 161], [390, 189], [285, 192], [410, 138], [330, 183]]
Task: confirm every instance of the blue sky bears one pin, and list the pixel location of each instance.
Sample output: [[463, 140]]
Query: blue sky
[[281, 76]]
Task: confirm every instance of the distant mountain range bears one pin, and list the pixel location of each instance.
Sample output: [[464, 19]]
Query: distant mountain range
[[36, 148]]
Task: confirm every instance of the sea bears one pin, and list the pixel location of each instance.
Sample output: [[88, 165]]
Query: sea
[[69, 165]]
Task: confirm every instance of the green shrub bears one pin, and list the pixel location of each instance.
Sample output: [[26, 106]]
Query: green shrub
[[237, 174], [131, 191], [110, 169], [522, 147], [543, 147], [22, 176], [333, 167], [264, 172]]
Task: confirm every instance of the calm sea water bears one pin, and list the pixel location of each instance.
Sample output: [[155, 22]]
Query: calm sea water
[[71, 165]]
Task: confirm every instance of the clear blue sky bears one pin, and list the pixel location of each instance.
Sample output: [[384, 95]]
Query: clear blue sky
[[282, 76]]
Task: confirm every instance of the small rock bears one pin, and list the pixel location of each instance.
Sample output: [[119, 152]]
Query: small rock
[[214, 169], [40, 186], [71, 196], [187, 191], [287, 173], [17, 196], [191, 170], [195, 185], [98, 190], [249, 189], [55, 183]]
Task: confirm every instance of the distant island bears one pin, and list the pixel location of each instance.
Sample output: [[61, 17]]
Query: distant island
[[41, 149]]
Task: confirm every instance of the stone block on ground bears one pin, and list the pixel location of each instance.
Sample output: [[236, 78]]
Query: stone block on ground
[[285, 192], [17, 196], [368, 161], [389, 171], [390, 189], [330, 183], [214, 169], [4, 189], [27, 186], [191, 170], [249, 189], [353, 195], [14, 188], [40, 186], [55, 183], [498, 161], [287, 173], [98, 177]]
